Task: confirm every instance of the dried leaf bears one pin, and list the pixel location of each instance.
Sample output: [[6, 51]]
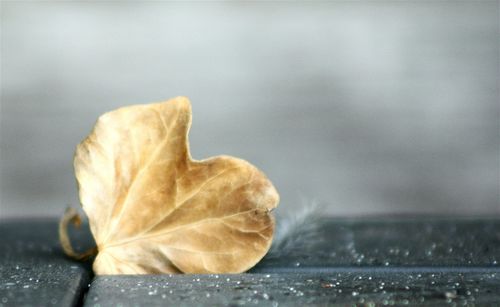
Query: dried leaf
[[153, 209]]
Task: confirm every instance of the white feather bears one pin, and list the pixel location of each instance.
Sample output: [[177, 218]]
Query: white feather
[[297, 230]]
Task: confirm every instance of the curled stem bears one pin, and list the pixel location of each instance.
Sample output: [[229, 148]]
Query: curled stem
[[72, 216]]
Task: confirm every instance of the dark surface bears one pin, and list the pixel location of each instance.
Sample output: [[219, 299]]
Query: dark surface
[[430, 261], [33, 268], [389, 243], [297, 289]]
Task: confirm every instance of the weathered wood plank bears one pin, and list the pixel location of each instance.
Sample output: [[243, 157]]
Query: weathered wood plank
[[296, 289], [33, 268], [387, 242]]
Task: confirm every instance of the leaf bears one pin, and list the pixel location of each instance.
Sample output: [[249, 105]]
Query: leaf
[[153, 209]]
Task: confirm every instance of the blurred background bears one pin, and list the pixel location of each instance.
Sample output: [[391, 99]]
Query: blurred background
[[366, 107]]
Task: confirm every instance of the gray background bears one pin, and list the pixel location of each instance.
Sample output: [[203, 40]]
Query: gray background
[[366, 107]]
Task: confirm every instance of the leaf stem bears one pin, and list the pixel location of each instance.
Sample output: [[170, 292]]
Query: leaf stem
[[72, 216]]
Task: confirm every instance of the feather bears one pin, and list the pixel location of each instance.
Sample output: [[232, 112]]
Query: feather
[[298, 230]]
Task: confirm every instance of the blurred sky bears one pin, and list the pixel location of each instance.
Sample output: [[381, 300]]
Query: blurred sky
[[367, 107]]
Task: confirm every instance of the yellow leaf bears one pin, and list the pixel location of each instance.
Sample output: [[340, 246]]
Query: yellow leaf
[[152, 209]]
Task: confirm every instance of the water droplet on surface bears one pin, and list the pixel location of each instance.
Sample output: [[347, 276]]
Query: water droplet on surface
[[354, 293], [450, 294]]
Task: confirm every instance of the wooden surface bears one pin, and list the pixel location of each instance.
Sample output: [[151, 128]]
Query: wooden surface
[[33, 269], [358, 261], [299, 289]]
